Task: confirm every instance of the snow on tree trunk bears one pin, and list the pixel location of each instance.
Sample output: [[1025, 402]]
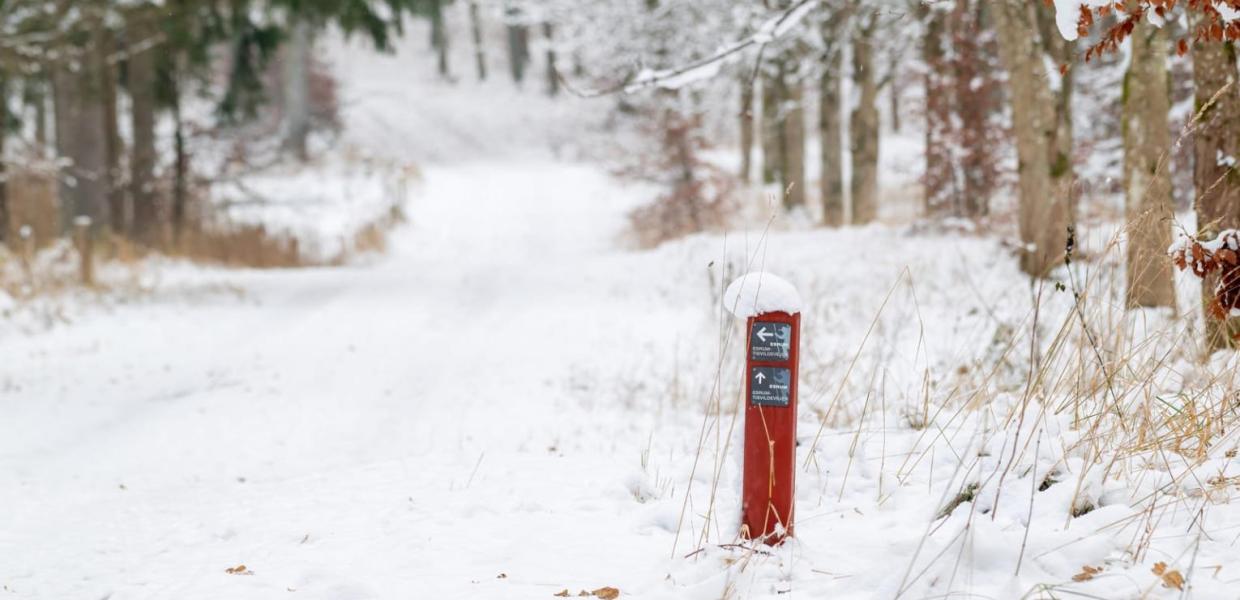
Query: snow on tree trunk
[[831, 183], [1217, 148], [977, 104], [297, 89], [941, 188], [80, 138], [1147, 187], [141, 83], [475, 24], [863, 126], [1044, 211]]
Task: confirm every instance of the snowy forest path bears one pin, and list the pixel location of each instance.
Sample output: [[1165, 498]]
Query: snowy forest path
[[378, 422]]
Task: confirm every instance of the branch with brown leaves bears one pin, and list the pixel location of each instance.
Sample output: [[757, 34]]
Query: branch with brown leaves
[[1203, 258], [1212, 26]]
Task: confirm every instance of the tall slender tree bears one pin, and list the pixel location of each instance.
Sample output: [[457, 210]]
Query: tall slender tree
[[1045, 209], [1147, 184], [863, 127], [475, 26], [746, 125], [141, 82], [830, 132]]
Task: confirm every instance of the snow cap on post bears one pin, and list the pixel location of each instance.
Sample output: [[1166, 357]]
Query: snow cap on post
[[760, 292]]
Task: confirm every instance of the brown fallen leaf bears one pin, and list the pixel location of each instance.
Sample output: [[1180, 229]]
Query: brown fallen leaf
[[1171, 579], [238, 570], [561, 594], [1087, 573], [606, 593]]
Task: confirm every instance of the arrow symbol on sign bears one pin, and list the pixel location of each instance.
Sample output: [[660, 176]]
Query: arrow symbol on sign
[[763, 334], [760, 376]]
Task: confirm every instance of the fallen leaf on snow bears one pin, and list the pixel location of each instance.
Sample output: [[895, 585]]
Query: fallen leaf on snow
[[238, 570], [1087, 573], [1171, 579], [606, 593], [562, 593]]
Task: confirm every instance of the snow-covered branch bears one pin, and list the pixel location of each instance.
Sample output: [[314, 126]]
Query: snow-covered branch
[[710, 66]]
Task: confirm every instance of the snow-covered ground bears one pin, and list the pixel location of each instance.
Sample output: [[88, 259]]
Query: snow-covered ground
[[512, 403]]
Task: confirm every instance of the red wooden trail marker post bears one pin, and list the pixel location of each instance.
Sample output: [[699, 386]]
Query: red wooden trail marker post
[[771, 358]]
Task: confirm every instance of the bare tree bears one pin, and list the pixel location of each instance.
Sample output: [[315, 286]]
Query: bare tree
[[141, 84], [296, 113], [553, 79], [80, 138], [1045, 208], [864, 123], [1147, 188], [475, 25], [830, 133], [746, 125]]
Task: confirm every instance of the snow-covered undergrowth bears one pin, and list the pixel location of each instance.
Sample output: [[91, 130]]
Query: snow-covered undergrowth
[[328, 205], [966, 432], [451, 414], [48, 292]]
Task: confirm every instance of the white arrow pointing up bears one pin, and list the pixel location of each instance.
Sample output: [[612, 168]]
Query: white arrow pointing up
[[760, 376], [763, 334]]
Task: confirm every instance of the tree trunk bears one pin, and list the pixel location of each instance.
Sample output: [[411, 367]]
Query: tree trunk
[[1147, 187], [793, 132], [976, 104], [771, 128], [831, 183], [896, 86], [80, 138], [863, 126], [40, 101], [518, 44], [746, 123], [180, 166], [439, 37], [113, 147], [480, 57], [941, 194], [1044, 213], [146, 217], [298, 53], [1062, 53], [4, 134], [1217, 182], [553, 77]]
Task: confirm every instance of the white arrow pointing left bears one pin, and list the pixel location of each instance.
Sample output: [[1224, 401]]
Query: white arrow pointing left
[[763, 334]]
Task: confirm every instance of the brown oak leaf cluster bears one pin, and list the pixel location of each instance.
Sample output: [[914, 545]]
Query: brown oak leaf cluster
[[1211, 28], [1204, 258]]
